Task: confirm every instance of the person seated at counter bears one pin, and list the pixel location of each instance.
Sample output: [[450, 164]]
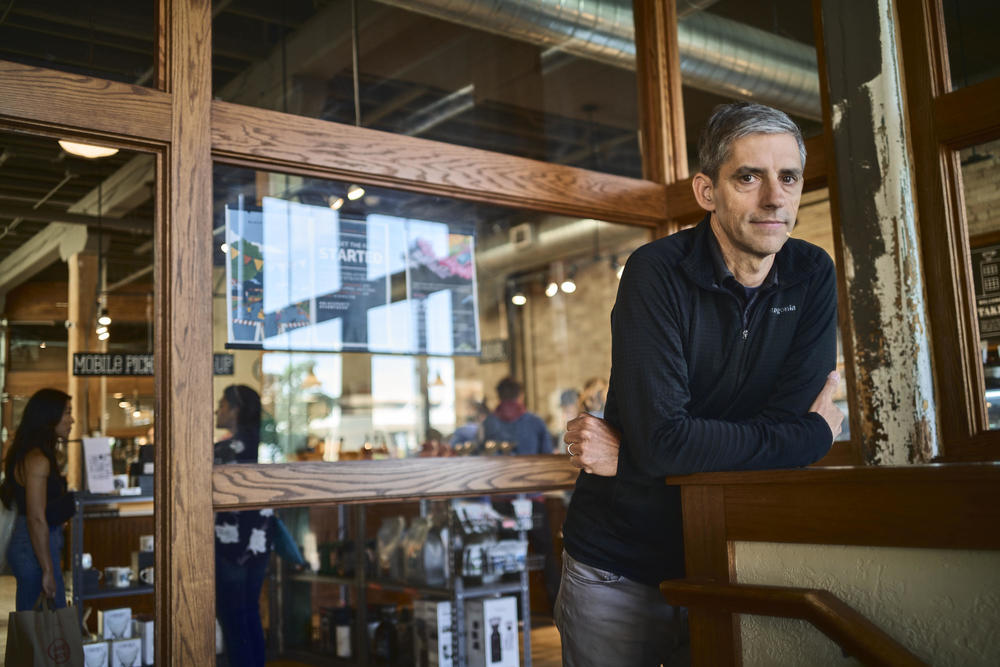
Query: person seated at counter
[[243, 540], [511, 422]]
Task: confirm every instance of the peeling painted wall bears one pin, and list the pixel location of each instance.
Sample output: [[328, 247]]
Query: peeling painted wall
[[942, 604], [894, 380]]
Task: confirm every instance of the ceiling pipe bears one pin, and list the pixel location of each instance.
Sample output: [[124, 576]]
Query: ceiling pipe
[[717, 55]]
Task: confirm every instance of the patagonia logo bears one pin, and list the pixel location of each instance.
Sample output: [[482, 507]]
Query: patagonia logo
[[778, 310]]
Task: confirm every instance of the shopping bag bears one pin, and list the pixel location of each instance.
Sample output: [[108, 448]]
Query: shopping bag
[[8, 515], [44, 637]]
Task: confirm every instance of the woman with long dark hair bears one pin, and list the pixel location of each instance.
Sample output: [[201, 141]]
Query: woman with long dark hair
[[243, 540], [33, 482]]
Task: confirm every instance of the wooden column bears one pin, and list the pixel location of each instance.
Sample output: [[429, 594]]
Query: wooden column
[[82, 315], [661, 106], [185, 587], [873, 191], [715, 636]]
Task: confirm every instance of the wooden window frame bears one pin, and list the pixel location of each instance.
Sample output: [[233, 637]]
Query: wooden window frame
[[943, 121], [178, 121]]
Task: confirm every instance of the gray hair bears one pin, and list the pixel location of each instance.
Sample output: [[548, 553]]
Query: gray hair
[[730, 122]]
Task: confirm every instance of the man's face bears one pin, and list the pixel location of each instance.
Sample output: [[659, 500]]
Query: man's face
[[756, 197]]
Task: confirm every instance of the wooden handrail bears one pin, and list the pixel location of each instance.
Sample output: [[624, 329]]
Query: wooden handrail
[[828, 613]]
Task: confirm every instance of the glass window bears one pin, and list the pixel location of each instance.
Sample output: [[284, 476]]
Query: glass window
[[971, 29], [376, 326], [548, 85], [102, 38], [761, 52], [815, 225], [980, 170], [76, 246]]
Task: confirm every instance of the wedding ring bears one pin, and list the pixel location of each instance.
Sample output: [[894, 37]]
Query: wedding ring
[[569, 448]]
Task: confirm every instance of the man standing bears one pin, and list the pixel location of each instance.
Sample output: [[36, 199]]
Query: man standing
[[722, 337]]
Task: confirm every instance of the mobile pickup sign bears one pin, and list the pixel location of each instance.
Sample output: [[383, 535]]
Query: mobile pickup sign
[[92, 363], [103, 365]]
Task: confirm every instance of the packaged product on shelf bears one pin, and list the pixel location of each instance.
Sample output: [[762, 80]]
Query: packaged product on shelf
[[140, 561], [432, 635], [425, 557], [491, 632], [97, 654], [336, 637], [143, 629], [115, 623], [126, 652], [389, 547]]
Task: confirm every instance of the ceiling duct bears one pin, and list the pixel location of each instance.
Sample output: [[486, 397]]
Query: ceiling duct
[[717, 55]]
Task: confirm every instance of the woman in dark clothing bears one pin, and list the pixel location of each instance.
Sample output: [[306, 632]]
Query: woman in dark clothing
[[242, 539], [33, 482]]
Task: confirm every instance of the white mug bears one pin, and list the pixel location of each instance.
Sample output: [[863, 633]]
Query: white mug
[[118, 577], [86, 561], [146, 576], [145, 543]]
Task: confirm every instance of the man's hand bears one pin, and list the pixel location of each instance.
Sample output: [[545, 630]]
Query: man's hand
[[824, 406], [593, 444]]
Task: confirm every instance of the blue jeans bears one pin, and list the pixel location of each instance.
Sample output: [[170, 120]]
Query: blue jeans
[[237, 605], [27, 571], [606, 619]]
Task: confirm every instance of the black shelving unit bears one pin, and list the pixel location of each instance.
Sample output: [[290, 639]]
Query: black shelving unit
[[455, 590], [83, 501]]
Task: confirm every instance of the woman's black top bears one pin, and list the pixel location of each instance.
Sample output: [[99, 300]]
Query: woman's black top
[[59, 505]]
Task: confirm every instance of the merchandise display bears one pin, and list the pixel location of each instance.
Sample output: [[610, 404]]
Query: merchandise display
[[115, 623], [97, 654], [491, 632], [432, 634], [126, 652]]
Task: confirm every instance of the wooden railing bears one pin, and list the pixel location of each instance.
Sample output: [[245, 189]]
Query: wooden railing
[[858, 636], [933, 506]]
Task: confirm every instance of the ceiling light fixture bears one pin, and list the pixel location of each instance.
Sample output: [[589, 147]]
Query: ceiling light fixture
[[104, 319], [89, 151], [552, 289], [568, 286], [355, 192], [103, 336], [519, 298], [336, 203]]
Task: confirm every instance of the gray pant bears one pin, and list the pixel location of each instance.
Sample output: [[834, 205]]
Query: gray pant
[[605, 619]]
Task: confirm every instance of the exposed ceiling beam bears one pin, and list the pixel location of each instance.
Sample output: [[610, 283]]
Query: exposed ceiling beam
[[58, 241]]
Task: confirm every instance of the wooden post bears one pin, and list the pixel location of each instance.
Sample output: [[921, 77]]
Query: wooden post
[[873, 191], [715, 637], [82, 310], [185, 549]]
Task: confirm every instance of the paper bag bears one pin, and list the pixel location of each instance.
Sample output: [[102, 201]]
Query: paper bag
[[44, 637]]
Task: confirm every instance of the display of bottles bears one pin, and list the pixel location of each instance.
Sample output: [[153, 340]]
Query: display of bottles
[[385, 644]]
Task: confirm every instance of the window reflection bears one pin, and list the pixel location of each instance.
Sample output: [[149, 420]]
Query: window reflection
[[970, 26], [980, 171], [381, 324]]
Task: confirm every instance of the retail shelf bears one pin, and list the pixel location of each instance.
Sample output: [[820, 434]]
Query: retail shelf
[[403, 587], [140, 589]]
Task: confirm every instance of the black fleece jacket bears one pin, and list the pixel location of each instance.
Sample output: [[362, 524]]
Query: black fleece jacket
[[702, 382]]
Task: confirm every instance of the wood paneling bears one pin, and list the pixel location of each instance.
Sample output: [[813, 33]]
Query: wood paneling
[[51, 98], [859, 637], [661, 106], [274, 140], [313, 483], [185, 549], [940, 506]]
